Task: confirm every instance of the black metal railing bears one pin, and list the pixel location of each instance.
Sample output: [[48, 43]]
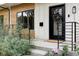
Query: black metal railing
[[76, 34], [71, 33], [71, 30]]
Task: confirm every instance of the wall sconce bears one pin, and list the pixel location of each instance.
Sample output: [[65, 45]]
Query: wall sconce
[[74, 9], [41, 24]]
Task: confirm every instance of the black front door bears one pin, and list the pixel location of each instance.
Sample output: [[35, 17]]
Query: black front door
[[57, 22]]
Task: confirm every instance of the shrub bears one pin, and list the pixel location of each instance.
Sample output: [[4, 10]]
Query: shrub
[[12, 46], [77, 50], [65, 50], [50, 53]]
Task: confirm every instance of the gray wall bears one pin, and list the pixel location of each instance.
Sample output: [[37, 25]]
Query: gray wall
[[42, 15]]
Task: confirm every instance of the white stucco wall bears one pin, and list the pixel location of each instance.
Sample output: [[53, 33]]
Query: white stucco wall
[[42, 15], [69, 11]]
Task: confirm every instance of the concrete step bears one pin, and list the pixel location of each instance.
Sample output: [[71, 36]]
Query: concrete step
[[46, 45], [51, 45], [38, 52], [43, 48], [69, 46], [68, 43]]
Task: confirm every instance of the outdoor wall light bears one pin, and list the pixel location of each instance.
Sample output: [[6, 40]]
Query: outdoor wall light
[[68, 15], [74, 9], [41, 24]]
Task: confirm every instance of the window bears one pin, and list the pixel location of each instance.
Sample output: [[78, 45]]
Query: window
[[1, 22], [57, 21], [26, 18], [19, 18]]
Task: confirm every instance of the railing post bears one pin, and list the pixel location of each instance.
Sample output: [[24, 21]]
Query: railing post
[[75, 35], [58, 44], [29, 28], [58, 34], [72, 37]]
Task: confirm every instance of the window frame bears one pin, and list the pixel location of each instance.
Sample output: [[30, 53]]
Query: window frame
[[22, 17]]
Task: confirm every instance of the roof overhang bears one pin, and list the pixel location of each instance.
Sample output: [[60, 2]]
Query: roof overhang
[[7, 5]]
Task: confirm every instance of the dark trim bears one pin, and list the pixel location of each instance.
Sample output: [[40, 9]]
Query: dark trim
[[63, 30], [72, 37], [57, 5], [22, 15]]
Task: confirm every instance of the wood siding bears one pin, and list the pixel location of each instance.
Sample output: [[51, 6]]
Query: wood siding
[[14, 11]]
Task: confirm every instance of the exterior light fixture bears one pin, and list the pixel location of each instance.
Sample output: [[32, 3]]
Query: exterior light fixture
[[74, 9]]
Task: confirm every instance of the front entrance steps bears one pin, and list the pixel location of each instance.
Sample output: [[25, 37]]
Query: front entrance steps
[[38, 52], [43, 46], [52, 45]]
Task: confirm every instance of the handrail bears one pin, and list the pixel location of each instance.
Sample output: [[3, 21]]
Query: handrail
[[73, 31]]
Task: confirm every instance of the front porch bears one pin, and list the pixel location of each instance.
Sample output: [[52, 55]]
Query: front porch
[[71, 38], [44, 32]]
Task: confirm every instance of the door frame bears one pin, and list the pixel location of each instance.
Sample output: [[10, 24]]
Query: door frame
[[63, 29]]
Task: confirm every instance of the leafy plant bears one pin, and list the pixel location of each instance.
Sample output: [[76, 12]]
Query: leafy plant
[[65, 50], [77, 50], [18, 30], [12, 46], [50, 53]]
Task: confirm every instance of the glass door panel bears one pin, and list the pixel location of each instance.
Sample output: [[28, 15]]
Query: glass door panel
[[57, 22]]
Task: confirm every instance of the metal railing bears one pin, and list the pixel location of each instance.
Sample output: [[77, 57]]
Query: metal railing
[[71, 33]]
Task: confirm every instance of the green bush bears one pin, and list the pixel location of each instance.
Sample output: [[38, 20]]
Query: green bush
[[65, 50], [13, 46], [77, 50]]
